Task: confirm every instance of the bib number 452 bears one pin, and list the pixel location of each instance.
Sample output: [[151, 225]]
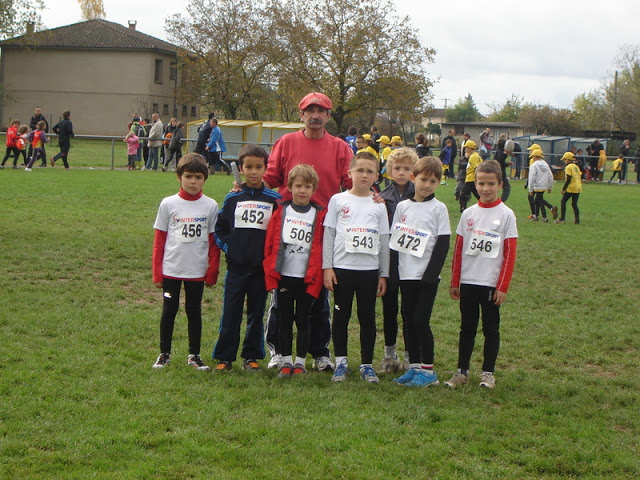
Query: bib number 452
[[252, 216]]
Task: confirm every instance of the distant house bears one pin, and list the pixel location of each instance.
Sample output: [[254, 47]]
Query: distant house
[[436, 116], [102, 71], [474, 129]]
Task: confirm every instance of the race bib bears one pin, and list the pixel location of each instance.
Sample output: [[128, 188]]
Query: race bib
[[409, 240], [297, 232], [362, 240], [190, 232], [484, 244], [252, 214]]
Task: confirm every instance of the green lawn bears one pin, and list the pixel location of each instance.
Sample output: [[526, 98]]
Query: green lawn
[[79, 327]]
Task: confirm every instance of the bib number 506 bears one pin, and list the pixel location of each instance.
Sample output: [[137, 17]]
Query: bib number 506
[[302, 235]]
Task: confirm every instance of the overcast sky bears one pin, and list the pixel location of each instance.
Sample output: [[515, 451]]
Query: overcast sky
[[548, 51]]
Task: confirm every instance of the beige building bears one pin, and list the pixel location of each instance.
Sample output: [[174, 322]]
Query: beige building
[[102, 71]]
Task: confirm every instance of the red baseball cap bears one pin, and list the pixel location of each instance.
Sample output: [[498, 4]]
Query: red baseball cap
[[315, 98]]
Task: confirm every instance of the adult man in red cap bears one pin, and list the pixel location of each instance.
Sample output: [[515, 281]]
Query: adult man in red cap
[[330, 157]]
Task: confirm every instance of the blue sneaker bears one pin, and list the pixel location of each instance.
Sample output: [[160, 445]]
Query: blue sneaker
[[340, 373], [407, 377], [368, 374], [423, 378]]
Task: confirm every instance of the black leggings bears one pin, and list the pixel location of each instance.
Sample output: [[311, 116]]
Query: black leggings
[[417, 301], [295, 306], [574, 205], [63, 153], [364, 284], [540, 203], [16, 154], [193, 306], [465, 194], [472, 298]]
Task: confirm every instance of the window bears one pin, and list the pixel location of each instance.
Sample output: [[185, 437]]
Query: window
[[184, 110], [155, 107], [165, 109], [173, 71], [193, 111], [158, 73]]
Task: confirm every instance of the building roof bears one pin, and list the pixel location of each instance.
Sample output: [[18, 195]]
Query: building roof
[[92, 34]]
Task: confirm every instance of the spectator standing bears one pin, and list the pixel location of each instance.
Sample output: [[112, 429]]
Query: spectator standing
[[154, 142], [351, 138], [138, 130], [175, 147], [625, 151], [454, 150], [216, 147], [204, 132], [486, 143]]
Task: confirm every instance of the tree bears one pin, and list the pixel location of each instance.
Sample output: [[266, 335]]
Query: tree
[[623, 94], [463, 111], [226, 57], [509, 112], [92, 9], [342, 48], [548, 120], [591, 111], [14, 15]]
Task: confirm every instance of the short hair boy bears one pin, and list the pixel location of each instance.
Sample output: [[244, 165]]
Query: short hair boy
[[400, 166], [293, 265], [420, 234], [184, 252], [482, 267], [241, 232], [356, 261]]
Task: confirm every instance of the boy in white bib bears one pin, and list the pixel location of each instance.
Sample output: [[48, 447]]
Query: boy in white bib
[[356, 262], [293, 265], [184, 252], [420, 233], [482, 267]]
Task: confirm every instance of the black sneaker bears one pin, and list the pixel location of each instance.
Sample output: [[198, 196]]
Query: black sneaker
[[223, 366], [163, 360], [196, 362]]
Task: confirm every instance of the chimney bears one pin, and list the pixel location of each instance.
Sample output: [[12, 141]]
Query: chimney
[[132, 24], [30, 27]]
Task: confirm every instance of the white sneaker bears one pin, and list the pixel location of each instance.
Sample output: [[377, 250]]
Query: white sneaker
[[324, 364], [142, 168], [276, 361], [27, 169], [487, 380], [196, 362]]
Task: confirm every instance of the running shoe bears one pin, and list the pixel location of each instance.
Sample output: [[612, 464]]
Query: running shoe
[[487, 380], [407, 377], [458, 378], [163, 360], [368, 374], [423, 378], [196, 362]]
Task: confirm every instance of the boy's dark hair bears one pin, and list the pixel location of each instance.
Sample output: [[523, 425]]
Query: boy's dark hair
[[420, 138], [41, 124], [306, 172], [360, 137], [253, 151], [66, 114], [352, 131], [490, 166], [15, 121], [194, 163], [366, 155], [429, 166]]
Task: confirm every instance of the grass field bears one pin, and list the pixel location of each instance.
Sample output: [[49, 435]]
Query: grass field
[[79, 330]]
